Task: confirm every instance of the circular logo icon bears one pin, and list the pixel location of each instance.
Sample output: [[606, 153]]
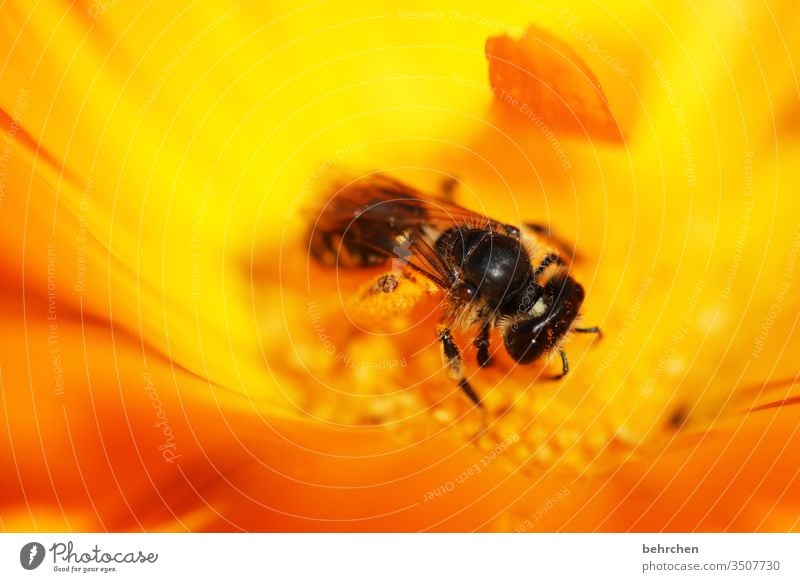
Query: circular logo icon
[[31, 555]]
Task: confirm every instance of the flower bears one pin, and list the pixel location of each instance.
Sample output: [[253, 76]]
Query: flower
[[172, 360]]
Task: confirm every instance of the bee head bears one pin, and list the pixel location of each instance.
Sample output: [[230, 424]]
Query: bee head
[[545, 314]]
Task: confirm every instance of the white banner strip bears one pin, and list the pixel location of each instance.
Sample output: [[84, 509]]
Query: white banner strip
[[400, 557]]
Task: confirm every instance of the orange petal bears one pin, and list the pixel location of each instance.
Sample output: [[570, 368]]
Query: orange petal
[[740, 476], [542, 80]]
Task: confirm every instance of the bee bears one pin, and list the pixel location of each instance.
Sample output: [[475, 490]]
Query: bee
[[491, 276]]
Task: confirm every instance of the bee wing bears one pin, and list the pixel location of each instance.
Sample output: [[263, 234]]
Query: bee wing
[[374, 219]]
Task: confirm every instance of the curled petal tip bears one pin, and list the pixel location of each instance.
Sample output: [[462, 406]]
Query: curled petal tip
[[541, 79]]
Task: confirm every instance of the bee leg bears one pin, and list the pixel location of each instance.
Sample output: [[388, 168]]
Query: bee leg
[[538, 228], [564, 365], [482, 343], [566, 247], [455, 365], [467, 388]]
